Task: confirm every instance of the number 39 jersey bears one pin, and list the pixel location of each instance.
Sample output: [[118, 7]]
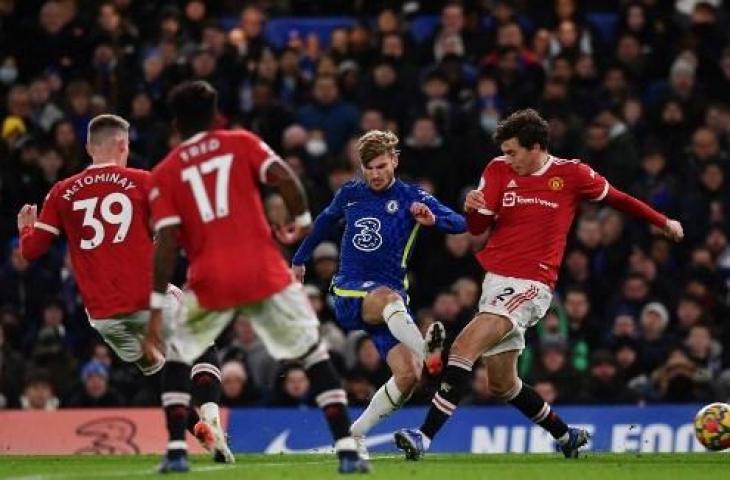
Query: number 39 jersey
[[209, 186], [105, 215]]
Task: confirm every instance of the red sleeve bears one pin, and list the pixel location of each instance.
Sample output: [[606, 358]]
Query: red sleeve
[[591, 185], [162, 206], [478, 223], [36, 241], [491, 185], [259, 155], [626, 203]]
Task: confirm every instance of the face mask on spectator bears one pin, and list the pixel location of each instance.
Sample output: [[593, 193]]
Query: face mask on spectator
[[488, 122], [8, 75], [316, 147]]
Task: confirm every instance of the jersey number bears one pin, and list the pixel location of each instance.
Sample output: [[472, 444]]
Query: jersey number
[[123, 218], [194, 176]]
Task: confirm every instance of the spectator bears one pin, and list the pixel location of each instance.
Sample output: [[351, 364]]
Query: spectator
[[236, 390], [679, 380], [96, 391], [337, 119], [38, 392], [605, 383], [292, 388], [655, 341]]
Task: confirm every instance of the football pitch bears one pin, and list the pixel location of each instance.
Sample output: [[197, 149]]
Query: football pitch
[[432, 467]]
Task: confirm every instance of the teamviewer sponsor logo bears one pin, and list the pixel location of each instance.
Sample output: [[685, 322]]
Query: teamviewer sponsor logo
[[510, 199]]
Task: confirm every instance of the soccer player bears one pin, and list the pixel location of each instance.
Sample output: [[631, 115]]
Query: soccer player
[[382, 218], [206, 196], [528, 197], [105, 215]]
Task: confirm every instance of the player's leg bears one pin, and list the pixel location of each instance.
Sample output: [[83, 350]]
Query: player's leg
[[188, 336], [124, 337], [385, 306], [406, 368], [205, 377], [176, 404], [289, 328], [484, 331], [507, 386]]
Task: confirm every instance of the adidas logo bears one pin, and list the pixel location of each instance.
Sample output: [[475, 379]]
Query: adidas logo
[[512, 184]]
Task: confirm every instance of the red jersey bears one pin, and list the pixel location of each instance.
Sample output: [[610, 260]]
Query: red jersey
[[533, 214], [209, 185], [105, 215]]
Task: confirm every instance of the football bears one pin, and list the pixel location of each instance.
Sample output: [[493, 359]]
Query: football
[[712, 426]]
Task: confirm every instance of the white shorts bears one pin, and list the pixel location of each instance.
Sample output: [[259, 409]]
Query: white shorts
[[125, 334], [523, 302], [285, 323]]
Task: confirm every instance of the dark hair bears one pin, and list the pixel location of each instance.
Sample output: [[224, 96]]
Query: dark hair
[[101, 126], [193, 106], [527, 126]]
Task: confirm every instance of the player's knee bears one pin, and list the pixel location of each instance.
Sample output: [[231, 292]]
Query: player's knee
[[407, 380], [375, 302], [148, 367], [502, 388]]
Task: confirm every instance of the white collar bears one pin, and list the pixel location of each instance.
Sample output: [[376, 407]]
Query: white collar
[[545, 167], [101, 165], [194, 138]]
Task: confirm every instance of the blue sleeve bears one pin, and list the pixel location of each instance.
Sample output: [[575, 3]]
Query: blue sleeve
[[446, 219], [327, 219]]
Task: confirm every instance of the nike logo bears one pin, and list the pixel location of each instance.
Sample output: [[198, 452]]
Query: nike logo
[[349, 204], [278, 444]]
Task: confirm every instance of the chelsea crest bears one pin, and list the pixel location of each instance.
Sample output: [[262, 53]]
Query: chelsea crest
[[392, 206]]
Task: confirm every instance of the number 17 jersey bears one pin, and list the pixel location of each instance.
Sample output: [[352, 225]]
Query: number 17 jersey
[[105, 215], [209, 186]]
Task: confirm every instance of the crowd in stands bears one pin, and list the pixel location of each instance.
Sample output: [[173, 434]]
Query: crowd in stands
[[639, 90]]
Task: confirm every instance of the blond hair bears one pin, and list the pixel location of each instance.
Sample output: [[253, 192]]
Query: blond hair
[[376, 143]]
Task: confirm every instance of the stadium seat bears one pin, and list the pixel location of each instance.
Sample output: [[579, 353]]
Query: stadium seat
[[606, 23], [278, 30]]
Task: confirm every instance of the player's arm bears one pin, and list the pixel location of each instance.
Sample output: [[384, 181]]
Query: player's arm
[[596, 188], [325, 221], [280, 175], [635, 207], [480, 204], [37, 234], [165, 258], [428, 210], [166, 218]]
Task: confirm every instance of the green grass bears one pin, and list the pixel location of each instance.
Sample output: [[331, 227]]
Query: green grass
[[432, 467]]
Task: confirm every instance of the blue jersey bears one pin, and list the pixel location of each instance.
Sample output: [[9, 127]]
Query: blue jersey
[[379, 232]]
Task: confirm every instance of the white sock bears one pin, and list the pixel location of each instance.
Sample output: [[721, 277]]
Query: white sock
[[386, 400], [564, 439], [209, 413], [426, 441], [402, 326]]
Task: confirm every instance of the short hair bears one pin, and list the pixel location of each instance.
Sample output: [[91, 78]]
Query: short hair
[[103, 127], [193, 105], [527, 126], [376, 143]]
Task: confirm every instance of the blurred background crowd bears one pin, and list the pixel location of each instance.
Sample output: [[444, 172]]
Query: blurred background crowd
[[640, 90]]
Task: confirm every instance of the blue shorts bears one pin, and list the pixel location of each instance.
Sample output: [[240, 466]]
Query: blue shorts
[[348, 311]]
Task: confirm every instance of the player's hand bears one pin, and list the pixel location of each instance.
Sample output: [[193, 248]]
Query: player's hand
[[674, 230], [474, 201], [152, 345], [290, 234], [299, 271], [27, 216], [423, 214]]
